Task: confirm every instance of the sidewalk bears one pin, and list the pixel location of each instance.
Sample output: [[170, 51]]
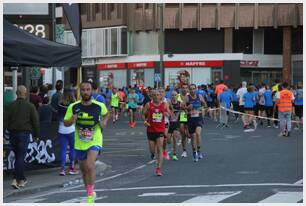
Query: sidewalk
[[46, 179]]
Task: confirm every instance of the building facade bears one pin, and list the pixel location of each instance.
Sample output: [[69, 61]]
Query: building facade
[[124, 44]]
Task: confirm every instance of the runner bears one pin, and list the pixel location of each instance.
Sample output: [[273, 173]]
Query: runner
[[211, 103], [89, 117], [241, 91], [268, 104], [183, 118], [115, 104], [261, 102], [122, 101], [249, 103], [132, 99], [195, 120], [153, 116], [298, 104], [166, 138], [175, 108]]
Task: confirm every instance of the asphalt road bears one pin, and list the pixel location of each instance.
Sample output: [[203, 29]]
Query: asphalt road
[[238, 167]]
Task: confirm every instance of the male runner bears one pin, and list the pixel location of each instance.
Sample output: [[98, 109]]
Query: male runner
[[115, 104], [89, 117], [166, 139], [153, 115], [183, 118], [132, 99], [175, 108], [195, 120]]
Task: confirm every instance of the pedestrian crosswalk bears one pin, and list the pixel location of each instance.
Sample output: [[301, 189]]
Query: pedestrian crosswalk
[[284, 197], [212, 197]]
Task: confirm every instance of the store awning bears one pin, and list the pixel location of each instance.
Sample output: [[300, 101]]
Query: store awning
[[24, 49]]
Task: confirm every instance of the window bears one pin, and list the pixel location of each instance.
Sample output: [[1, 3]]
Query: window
[[297, 40], [98, 8], [106, 41], [83, 9], [243, 41], [124, 41], [273, 41], [114, 41]]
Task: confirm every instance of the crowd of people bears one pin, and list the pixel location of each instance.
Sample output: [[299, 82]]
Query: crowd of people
[[172, 116]]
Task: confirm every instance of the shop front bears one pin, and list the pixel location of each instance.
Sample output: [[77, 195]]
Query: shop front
[[196, 72], [141, 73], [112, 75]]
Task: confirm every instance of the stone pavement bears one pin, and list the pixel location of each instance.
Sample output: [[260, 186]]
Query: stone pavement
[[46, 179]]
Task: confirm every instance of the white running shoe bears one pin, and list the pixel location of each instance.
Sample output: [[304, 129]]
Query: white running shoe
[[184, 154], [189, 140]]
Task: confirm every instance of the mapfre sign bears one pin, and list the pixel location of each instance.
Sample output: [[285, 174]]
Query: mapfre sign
[[194, 63], [246, 63]]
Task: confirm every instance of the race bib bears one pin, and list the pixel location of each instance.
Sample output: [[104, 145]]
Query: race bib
[[194, 114], [157, 117], [86, 135]]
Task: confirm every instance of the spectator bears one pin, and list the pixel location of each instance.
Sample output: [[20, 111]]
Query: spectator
[[21, 120], [56, 97], [95, 94], [66, 134], [241, 91], [284, 101], [45, 111], [35, 98]]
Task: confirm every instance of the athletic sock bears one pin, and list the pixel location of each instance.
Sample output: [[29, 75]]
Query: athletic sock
[[90, 190]]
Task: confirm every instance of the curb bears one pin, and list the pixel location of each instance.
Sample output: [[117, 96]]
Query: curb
[[101, 167]]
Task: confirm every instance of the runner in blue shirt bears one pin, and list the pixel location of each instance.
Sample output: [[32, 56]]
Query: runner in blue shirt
[[268, 103], [249, 103], [298, 103], [235, 101], [210, 103]]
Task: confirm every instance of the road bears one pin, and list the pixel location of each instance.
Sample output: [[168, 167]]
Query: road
[[238, 167]]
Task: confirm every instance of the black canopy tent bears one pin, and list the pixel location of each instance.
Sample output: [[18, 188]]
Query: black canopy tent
[[24, 49]]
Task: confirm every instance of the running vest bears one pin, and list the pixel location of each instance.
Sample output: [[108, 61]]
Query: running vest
[[183, 115], [176, 109], [196, 105], [285, 101], [156, 118], [114, 100]]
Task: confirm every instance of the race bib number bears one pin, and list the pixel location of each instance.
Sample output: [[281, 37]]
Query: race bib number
[[86, 135], [157, 117], [194, 113]]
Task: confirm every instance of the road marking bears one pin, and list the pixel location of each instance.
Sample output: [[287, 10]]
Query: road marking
[[189, 186], [156, 194], [300, 182], [82, 199], [212, 197], [30, 200], [284, 197], [119, 151], [231, 136], [247, 172]]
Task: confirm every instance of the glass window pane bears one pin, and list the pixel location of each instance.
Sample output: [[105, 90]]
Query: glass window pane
[[123, 41], [114, 41], [106, 41]]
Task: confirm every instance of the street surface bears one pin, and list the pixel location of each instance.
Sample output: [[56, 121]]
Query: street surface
[[238, 167]]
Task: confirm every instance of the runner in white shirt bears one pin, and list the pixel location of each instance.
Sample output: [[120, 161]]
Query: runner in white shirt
[[241, 91]]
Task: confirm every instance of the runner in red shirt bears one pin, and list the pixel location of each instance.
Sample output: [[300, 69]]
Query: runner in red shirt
[[153, 115]]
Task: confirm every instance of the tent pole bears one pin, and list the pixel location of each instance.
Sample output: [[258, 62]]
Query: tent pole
[[79, 80], [15, 80]]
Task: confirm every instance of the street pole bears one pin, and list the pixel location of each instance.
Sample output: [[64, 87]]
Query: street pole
[[53, 39], [15, 80], [161, 44]]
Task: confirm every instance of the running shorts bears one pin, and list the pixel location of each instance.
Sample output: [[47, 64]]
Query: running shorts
[[248, 108], [173, 126], [114, 107], [153, 136], [82, 154], [133, 109], [195, 122], [241, 108], [210, 104], [262, 107]]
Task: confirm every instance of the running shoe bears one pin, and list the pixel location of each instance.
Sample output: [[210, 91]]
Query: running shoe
[[200, 155], [62, 173], [91, 198], [166, 155], [189, 140], [134, 124], [158, 172], [174, 157], [195, 157], [152, 156], [22, 183], [130, 124], [15, 184], [73, 171], [184, 154]]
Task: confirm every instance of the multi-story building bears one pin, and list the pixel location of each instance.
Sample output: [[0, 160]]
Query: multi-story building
[[124, 44]]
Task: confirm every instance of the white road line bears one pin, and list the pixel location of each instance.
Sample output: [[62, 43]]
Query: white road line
[[284, 197], [212, 197], [156, 194], [190, 186], [300, 182], [119, 151], [29, 200]]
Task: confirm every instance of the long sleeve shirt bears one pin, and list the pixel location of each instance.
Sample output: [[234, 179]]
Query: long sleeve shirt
[[22, 116]]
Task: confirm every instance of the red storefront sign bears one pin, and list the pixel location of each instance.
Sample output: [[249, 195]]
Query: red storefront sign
[[111, 66], [133, 65], [245, 63], [209, 63]]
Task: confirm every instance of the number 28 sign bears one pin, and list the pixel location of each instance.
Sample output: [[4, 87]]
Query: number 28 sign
[[41, 30]]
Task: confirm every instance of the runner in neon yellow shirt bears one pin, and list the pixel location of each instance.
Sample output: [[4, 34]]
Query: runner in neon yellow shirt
[[115, 104], [89, 117]]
